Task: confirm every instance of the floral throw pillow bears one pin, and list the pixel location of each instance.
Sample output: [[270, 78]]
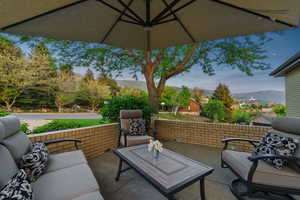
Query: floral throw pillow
[[277, 144], [34, 163], [137, 127], [18, 188]]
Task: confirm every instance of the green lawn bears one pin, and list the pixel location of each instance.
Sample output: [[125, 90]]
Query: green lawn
[[63, 124]]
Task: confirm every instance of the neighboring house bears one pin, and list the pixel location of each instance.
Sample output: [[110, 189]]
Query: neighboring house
[[291, 71], [194, 108]]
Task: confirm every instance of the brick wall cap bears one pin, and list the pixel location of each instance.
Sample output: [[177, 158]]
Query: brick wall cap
[[70, 130]]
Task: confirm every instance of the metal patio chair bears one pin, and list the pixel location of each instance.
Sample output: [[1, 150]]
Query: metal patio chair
[[257, 179], [125, 139]]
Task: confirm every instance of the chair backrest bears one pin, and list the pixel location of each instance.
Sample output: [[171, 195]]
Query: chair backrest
[[8, 166], [125, 115], [13, 138]]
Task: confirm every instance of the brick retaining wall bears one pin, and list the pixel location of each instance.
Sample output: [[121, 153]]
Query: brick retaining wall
[[207, 134], [94, 139], [98, 139]]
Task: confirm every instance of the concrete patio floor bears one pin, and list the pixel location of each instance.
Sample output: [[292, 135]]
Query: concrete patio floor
[[132, 186]]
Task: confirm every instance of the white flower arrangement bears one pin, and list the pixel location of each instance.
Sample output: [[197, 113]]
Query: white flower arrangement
[[155, 145]]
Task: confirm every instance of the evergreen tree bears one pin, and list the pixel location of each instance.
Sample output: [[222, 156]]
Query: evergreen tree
[[103, 79], [89, 75], [222, 93], [198, 95]]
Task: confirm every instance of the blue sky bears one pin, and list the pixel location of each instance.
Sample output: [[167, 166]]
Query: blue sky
[[282, 47]]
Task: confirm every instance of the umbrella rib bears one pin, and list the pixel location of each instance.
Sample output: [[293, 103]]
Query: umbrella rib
[[175, 11], [180, 22], [116, 22], [131, 11], [120, 11], [43, 14], [253, 13], [164, 11]]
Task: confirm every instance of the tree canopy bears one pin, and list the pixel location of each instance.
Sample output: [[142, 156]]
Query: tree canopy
[[159, 65]]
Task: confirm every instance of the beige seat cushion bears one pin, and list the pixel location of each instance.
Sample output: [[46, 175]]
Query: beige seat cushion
[[135, 140], [264, 174], [63, 184], [64, 160], [90, 196]]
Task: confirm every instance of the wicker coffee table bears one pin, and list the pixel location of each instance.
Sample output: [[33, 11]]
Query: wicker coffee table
[[169, 174]]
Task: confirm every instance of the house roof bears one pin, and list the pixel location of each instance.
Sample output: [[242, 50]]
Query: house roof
[[291, 64]]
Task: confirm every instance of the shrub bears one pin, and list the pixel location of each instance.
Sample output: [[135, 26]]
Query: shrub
[[280, 110], [62, 124], [3, 113], [240, 116], [112, 109], [214, 110], [24, 128]]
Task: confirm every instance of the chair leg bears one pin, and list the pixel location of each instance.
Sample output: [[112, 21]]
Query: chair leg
[[242, 192]]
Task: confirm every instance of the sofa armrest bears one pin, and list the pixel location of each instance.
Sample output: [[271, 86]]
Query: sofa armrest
[[63, 140], [251, 141]]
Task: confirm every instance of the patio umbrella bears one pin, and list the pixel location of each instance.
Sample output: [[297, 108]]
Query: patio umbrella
[[145, 24]]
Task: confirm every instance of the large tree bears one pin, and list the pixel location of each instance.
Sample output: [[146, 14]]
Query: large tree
[[18, 73], [159, 65], [223, 94]]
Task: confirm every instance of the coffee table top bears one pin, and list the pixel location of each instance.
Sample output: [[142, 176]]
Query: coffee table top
[[169, 172]]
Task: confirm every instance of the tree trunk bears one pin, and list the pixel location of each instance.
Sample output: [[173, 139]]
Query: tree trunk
[[154, 100], [8, 106]]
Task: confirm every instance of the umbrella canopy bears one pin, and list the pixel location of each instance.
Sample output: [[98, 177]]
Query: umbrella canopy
[[145, 24]]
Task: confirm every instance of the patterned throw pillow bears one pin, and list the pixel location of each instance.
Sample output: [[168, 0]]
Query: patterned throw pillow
[[137, 127], [277, 145], [34, 163], [18, 188]]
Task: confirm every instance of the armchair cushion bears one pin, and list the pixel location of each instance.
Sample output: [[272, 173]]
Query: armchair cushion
[[35, 162], [135, 140], [137, 127], [277, 144], [264, 174], [18, 188]]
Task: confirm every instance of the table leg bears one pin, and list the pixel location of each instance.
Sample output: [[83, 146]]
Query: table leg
[[202, 189], [171, 197], [119, 169]]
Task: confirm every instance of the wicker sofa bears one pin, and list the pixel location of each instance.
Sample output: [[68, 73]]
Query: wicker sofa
[[68, 175]]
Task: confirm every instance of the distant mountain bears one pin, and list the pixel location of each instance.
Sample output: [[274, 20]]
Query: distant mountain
[[140, 85], [270, 96]]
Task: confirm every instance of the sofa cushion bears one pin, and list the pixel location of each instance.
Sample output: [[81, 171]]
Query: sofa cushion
[[67, 183], [2, 131], [35, 162], [136, 140], [90, 196], [12, 125], [8, 166], [64, 160], [18, 145], [18, 188], [264, 174]]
